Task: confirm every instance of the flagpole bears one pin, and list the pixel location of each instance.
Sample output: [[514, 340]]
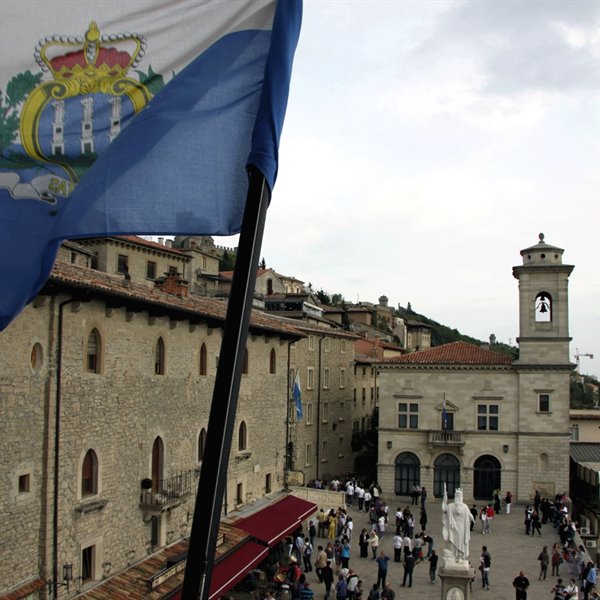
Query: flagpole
[[213, 475]]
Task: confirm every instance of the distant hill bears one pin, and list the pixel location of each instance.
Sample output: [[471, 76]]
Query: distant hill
[[442, 334]]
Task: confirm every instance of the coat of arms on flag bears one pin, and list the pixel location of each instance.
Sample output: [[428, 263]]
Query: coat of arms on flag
[[55, 122]]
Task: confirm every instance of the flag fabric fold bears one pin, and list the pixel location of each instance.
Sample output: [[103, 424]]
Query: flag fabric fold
[[444, 415], [297, 395], [133, 117]]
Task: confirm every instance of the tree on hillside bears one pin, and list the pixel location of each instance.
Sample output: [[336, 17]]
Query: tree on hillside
[[262, 264], [227, 261], [323, 297]]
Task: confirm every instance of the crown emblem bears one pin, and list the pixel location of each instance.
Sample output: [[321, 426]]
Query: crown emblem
[[92, 63]]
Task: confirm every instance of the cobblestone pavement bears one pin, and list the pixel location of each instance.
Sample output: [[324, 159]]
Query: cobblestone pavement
[[511, 551]]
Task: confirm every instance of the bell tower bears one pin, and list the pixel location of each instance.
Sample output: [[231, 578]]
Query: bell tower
[[543, 371], [543, 306]]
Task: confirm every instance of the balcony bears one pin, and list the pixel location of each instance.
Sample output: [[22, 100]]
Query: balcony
[[168, 494], [447, 439]]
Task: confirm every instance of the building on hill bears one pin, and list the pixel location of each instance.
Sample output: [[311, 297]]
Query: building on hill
[[468, 417]]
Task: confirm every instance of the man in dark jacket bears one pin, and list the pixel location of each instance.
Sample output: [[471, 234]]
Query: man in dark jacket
[[409, 565], [521, 583]]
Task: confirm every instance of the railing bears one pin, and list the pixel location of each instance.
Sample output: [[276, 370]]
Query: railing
[[446, 438], [169, 491]]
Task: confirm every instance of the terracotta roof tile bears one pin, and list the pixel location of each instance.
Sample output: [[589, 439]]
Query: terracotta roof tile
[[456, 353], [114, 285]]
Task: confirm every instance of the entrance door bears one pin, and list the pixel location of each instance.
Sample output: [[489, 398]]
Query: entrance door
[[446, 469], [408, 473], [487, 475]]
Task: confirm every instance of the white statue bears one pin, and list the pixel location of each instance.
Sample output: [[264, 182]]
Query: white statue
[[456, 528]]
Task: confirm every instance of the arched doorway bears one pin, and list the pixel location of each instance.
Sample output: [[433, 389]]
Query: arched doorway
[[446, 469], [408, 473], [486, 477]]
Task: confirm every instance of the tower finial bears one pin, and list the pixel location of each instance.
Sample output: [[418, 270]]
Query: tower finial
[[541, 238]]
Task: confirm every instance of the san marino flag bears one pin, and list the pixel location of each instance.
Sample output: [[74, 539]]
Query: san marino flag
[[133, 116]]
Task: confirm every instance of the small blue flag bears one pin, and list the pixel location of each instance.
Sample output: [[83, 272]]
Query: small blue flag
[[297, 394]]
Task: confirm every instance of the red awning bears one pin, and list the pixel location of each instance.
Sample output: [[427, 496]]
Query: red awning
[[273, 523], [233, 568]]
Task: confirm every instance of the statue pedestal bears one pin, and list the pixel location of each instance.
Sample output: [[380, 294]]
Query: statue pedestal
[[456, 580]]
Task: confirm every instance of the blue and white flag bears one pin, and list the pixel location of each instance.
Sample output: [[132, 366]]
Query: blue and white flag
[[297, 395], [133, 117], [444, 415]]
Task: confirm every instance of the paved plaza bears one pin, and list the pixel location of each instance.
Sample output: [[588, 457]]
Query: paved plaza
[[511, 551]]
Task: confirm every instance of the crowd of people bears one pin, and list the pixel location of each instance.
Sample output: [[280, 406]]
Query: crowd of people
[[329, 544]]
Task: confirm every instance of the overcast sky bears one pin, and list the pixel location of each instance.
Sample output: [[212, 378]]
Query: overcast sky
[[427, 143]]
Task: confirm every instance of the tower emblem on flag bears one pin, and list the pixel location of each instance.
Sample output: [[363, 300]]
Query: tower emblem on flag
[[55, 123]]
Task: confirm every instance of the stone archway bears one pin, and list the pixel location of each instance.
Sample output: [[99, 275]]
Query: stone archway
[[407, 473], [486, 477], [446, 469]]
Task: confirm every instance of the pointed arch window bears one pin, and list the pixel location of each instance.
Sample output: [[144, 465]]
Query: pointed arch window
[[203, 360], [93, 352], [245, 363], [89, 474], [543, 307], [201, 444], [273, 362], [242, 437], [159, 357]]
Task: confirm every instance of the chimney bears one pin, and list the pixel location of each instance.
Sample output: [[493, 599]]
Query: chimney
[[169, 243], [161, 241], [173, 284]]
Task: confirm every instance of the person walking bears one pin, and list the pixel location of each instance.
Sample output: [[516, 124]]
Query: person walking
[[409, 565], [486, 563], [555, 561], [363, 543], [382, 568], [398, 543], [572, 589], [433, 561], [388, 593], [327, 578], [508, 502], [536, 524], [341, 588], [374, 543], [307, 555], [559, 590], [521, 583], [544, 559]]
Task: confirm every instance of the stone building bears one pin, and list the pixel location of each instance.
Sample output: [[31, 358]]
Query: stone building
[[469, 417], [105, 389]]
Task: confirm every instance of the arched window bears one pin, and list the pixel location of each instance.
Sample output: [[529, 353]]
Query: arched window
[[159, 357], [273, 362], [93, 352], [242, 437], [543, 307], [201, 444], [89, 474], [203, 359], [245, 363], [158, 454]]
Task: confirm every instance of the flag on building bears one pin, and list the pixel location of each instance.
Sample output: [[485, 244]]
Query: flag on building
[[134, 117], [297, 395], [444, 415]]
